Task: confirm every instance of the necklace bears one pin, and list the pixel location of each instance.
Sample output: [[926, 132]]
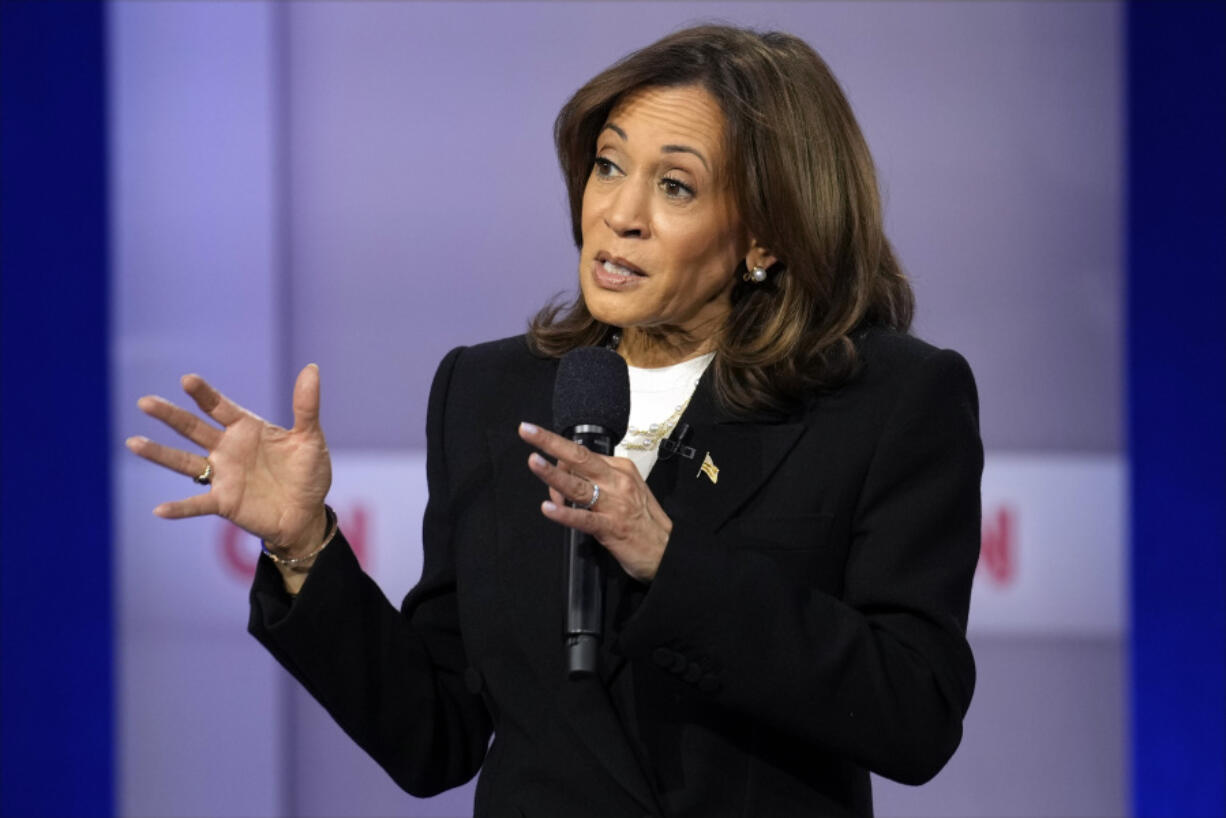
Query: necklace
[[644, 440]]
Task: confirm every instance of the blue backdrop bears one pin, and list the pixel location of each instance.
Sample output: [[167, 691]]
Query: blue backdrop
[[55, 497], [1177, 426]]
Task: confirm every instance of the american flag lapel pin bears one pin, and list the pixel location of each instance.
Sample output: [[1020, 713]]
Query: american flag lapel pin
[[709, 468]]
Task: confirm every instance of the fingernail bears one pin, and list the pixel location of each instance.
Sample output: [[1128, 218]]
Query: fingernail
[[537, 460], [549, 506], [528, 428]]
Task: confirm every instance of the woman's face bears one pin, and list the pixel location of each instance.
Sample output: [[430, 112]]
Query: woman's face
[[661, 236]]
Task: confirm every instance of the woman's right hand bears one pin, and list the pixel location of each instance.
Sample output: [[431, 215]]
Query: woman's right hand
[[267, 480]]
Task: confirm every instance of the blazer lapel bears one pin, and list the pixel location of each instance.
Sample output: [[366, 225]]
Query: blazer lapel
[[732, 458]]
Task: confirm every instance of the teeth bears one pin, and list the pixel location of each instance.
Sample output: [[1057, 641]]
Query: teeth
[[617, 269]]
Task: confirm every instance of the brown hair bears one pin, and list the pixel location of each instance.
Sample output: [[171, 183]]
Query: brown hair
[[805, 188]]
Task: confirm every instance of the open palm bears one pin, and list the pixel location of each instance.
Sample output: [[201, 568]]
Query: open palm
[[268, 480]]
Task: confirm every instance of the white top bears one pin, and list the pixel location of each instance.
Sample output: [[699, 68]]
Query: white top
[[658, 397]]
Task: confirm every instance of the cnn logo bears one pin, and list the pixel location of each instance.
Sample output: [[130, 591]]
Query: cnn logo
[[998, 552]]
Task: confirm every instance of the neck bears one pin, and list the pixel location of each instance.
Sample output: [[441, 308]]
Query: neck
[[650, 350]]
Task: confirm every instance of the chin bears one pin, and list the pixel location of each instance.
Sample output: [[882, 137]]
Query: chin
[[601, 312]]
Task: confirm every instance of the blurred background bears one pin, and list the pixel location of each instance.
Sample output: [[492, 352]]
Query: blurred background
[[238, 189]]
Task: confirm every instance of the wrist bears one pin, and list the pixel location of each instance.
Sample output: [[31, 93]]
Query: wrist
[[300, 556]]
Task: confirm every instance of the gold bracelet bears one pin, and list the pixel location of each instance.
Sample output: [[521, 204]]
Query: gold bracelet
[[293, 563]]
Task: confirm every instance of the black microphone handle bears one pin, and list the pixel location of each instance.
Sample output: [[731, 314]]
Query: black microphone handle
[[584, 580]]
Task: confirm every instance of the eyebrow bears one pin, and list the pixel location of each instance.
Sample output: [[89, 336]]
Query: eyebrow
[[664, 148]]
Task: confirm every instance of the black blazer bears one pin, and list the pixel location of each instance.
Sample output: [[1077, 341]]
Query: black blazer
[[806, 624]]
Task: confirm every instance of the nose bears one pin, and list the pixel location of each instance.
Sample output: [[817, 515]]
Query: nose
[[626, 211]]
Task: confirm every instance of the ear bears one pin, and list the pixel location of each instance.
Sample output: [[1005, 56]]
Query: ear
[[759, 256]]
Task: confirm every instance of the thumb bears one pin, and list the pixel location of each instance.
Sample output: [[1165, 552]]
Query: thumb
[[306, 398]]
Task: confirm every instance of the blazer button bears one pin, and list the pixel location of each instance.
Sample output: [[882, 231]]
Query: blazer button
[[662, 657], [473, 681], [692, 673]]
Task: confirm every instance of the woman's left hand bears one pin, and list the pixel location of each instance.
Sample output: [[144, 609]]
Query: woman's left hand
[[626, 518]]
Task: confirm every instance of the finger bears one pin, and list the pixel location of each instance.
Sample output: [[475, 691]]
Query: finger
[[586, 521], [198, 506], [185, 463], [576, 458], [181, 420], [211, 402], [571, 486], [306, 398]]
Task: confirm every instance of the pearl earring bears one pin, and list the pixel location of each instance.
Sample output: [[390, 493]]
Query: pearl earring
[[757, 275]]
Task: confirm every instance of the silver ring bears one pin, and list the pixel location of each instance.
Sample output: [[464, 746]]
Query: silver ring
[[595, 497], [205, 477]]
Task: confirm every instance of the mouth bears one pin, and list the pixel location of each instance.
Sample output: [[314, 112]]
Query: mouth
[[618, 266]]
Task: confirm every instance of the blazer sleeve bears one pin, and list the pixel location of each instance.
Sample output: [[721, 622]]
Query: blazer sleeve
[[393, 680], [881, 675]]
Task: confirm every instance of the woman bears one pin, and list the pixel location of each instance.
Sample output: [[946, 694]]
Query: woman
[[786, 593]]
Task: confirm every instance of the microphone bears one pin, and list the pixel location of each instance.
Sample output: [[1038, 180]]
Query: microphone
[[674, 444], [591, 406]]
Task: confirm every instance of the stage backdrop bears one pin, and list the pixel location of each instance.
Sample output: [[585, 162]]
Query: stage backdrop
[[366, 185]]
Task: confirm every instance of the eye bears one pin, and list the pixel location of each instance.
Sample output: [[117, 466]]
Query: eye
[[676, 189], [604, 168]]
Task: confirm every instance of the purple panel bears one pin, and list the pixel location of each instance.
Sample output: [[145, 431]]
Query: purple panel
[[192, 205], [1045, 736], [427, 208], [427, 211]]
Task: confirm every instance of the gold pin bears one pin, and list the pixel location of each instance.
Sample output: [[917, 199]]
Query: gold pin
[[709, 468]]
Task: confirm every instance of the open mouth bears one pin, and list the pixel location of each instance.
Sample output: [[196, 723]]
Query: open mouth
[[618, 267]]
